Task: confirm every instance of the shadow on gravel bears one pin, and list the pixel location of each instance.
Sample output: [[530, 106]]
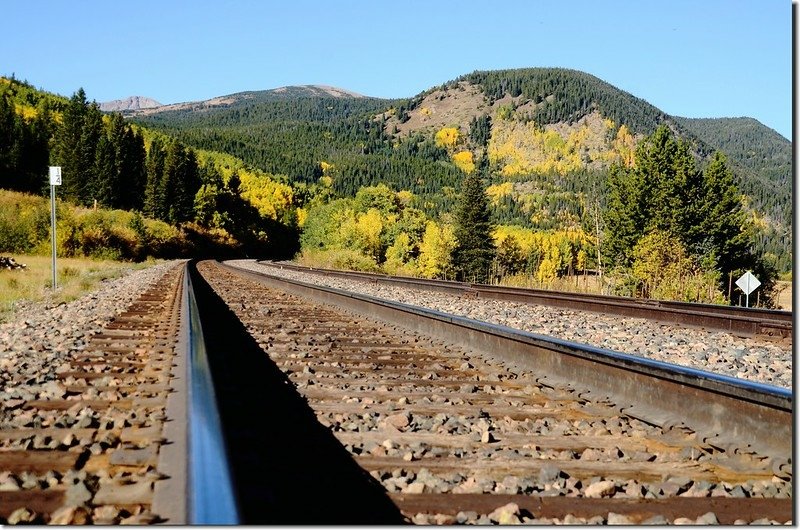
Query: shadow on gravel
[[286, 466]]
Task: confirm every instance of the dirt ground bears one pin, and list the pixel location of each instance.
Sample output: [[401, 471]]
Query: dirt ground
[[785, 298]]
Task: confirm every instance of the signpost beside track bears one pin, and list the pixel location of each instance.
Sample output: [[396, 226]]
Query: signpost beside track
[[55, 180], [748, 283]]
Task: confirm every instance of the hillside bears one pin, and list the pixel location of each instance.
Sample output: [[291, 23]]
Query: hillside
[[214, 201], [757, 151], [545, 137], [246, 99]]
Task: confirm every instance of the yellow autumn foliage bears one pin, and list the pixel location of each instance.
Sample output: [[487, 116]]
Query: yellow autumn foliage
[[272, 199], [498, 191], [302, 215], [369, 226], [447, 137], [405, 197], [26, 111], [523, 148], [555, 250], [463, 161], [435, 249]]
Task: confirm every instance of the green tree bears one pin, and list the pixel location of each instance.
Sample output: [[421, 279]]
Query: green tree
[[510, 258], [67, 147], [24, 150], [154, 194], [474, 250], [719, 234], [659, 192]]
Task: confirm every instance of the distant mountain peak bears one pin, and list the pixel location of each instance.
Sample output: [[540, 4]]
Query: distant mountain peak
[[317, 90], [129, 103]]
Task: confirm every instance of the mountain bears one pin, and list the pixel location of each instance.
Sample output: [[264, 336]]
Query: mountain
[[285, 93], [131, 103], [544, 136], [761, 155]]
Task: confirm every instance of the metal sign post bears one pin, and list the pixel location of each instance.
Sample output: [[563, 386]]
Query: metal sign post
[[747, 283], [55, 180]]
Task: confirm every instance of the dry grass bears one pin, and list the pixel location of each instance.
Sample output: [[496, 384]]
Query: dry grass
[[785, 296], [575, 284], [76, 277]]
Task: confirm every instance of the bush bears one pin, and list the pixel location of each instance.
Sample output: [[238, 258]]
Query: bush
[[338, 259]]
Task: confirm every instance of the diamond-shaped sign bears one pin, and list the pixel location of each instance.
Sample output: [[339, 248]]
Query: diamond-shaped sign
[[748, 283]]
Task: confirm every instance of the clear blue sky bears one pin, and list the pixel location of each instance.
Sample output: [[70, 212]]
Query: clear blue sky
[[696, 58]]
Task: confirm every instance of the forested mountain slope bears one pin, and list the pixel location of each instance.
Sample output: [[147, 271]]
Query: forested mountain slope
[[545, 138]]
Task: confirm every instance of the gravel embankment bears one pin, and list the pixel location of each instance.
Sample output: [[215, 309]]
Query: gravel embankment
[[719, 352], [40, 337]]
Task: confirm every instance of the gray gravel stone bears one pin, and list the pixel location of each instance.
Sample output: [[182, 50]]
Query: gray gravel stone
[[716, 351]]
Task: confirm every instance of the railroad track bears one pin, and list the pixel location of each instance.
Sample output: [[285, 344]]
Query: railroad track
[[743, 321], [318, 415], [333, 416], [86, 451]]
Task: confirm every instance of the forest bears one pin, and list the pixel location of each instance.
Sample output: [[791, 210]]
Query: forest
[[108, 165], [559, 178], [555, 170]]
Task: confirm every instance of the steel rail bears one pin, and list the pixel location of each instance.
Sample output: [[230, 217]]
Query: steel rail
[[211, 493], [723, 410], [745, 321]]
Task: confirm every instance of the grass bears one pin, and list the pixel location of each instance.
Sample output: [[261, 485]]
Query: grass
[[76, 277]]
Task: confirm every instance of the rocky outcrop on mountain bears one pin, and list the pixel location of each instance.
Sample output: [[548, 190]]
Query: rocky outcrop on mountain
[[130, 103]]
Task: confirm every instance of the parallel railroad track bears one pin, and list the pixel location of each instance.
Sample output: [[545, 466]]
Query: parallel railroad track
[[450, 435], [331, 416], [739, 320]]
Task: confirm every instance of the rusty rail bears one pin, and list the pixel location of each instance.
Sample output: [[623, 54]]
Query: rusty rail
[[739, 320], [722, 408]]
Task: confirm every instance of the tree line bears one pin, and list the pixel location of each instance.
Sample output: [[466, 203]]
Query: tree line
[[675, 231], [108, 164]]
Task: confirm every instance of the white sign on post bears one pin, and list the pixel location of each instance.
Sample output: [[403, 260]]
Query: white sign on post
[[748, 283], [55, 180], [55, 175]]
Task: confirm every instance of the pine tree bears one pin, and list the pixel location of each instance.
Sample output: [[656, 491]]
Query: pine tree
[[105, 186], [86, 180], [36, 152], [154, 199], [474, 250], [132, 193], [719, 235], [658, 193], [9, 153], [68, 146]]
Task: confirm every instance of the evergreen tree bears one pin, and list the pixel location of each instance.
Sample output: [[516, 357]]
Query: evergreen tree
[[89, 181], [132, 192], [9, 152], [67, 146], [107, 173], [36, 152], [719, 236], [154, 195], [666, 197], [658, 193], [474, 250], [179, 183]]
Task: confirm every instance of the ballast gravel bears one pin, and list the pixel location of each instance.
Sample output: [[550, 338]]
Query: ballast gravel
[[715, 351], [38, 339], [36, 344]]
